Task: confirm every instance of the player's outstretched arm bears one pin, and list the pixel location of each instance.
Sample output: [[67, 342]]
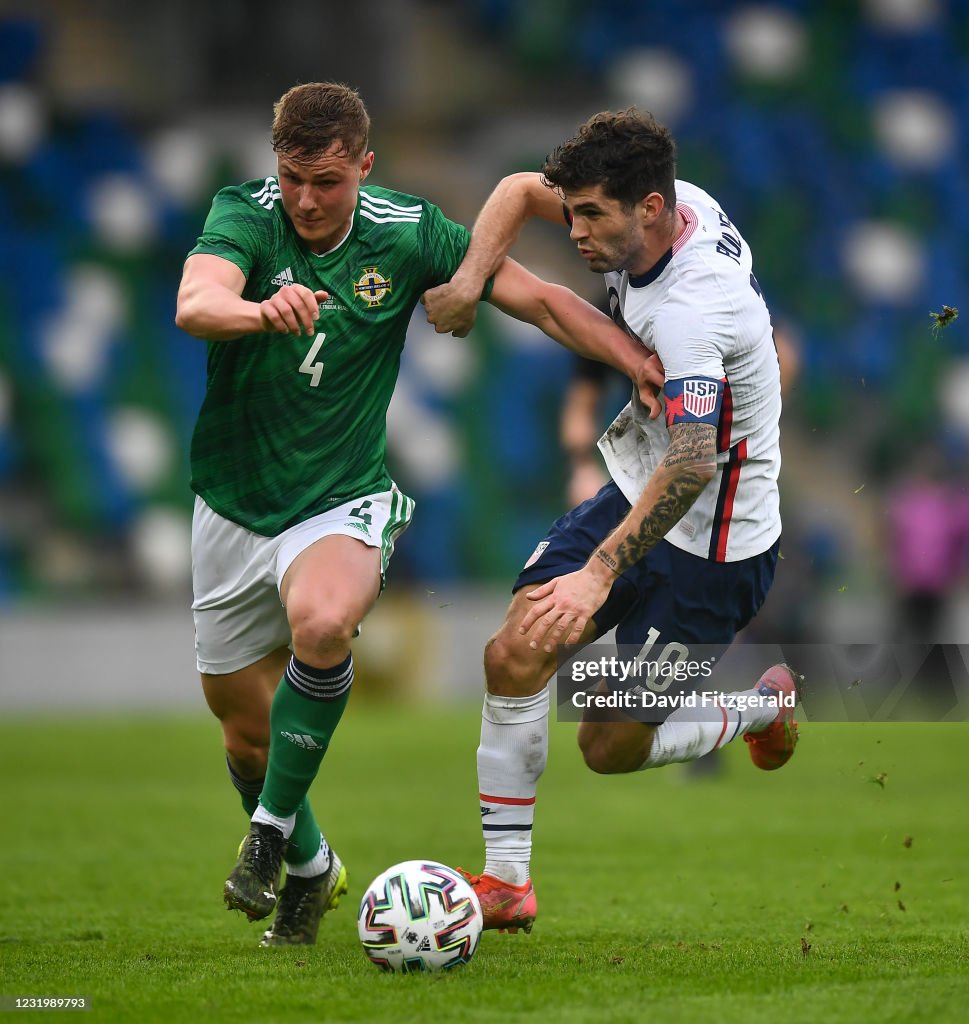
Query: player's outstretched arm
[[579, 326], [564, 605], [517, 198], [210, 303]]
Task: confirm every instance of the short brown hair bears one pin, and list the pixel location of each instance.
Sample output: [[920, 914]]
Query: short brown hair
[[628, 153], [308, 119]]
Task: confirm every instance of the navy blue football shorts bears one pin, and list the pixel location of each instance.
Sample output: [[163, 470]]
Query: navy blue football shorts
[[683, 597]]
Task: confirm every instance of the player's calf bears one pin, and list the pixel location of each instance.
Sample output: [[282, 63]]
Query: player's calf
[[611, 747]]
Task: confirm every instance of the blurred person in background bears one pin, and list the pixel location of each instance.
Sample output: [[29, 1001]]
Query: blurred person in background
[[304, 283], [580, 427], [680, 546], [927, 513]]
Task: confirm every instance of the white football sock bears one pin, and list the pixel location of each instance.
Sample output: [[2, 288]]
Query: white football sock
[[285, 825], [511, 759], [690, 733]]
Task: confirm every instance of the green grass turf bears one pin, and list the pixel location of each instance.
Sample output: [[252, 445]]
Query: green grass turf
[[661, 898]]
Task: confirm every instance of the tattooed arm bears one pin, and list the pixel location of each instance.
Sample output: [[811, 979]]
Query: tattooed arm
[[564, 605], [690, 464]]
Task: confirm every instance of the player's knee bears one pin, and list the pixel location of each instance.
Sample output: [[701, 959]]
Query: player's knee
[[500, 663], [509, 668], [603, 755], [496, 655], [320, 630]]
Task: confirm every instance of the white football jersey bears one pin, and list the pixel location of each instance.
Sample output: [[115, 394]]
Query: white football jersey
[[700, 308]]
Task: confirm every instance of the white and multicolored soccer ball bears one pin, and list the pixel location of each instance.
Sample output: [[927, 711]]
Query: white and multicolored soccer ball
[[419, 916]]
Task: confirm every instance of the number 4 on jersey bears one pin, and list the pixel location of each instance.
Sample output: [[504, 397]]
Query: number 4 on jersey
[[314, 369]]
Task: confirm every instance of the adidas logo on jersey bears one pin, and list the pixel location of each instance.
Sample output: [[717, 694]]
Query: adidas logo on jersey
[[283, 277], [302, 740], [359, 526]]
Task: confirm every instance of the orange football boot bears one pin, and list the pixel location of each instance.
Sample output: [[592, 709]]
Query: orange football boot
[[504, 906], [772, 747]]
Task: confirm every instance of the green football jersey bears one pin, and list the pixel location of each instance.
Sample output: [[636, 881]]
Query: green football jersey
[[292, 426]]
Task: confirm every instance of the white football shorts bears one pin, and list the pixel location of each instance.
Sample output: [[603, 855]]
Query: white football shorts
[[236, 574]]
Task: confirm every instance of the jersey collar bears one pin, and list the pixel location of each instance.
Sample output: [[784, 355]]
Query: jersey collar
[[320, 255], [654, 271]]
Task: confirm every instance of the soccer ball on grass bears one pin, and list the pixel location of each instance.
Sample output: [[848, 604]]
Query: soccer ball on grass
[[419, 916]]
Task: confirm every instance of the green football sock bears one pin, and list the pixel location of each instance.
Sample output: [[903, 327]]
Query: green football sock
[[306, 710], [304, 843]]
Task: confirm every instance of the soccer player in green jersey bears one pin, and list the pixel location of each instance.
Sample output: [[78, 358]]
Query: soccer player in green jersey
[[303, 285]]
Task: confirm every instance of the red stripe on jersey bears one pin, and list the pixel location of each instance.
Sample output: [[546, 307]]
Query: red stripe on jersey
[[519, 801], [737, 457]]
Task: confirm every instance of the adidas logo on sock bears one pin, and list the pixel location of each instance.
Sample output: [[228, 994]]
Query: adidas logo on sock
[[301, 740], [283, 277]]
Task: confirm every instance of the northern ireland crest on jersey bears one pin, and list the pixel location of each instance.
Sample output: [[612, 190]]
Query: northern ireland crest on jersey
[[372, 286], [699, 397]]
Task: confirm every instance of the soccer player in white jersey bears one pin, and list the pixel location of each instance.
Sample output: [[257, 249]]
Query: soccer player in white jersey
[[694, 493]]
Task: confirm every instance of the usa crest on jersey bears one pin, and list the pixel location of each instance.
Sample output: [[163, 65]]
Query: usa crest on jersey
[[699, 397]]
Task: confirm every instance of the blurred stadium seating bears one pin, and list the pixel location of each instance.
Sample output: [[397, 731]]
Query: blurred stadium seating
[[834, 134]]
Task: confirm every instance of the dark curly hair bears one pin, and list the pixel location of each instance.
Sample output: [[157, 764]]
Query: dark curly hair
[[628, 153], [308, 119]]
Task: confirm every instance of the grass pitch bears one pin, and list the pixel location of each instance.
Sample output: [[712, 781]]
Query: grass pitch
[[833, 890]]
